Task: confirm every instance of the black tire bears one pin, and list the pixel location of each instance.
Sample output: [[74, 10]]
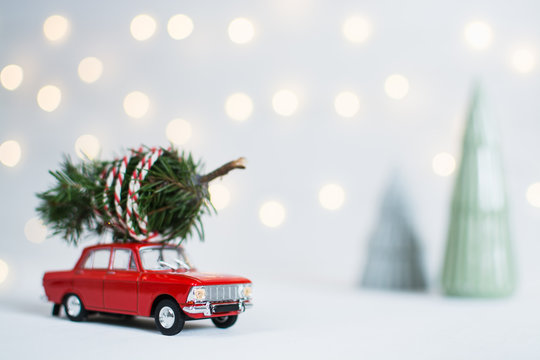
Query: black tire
[[74, 308], [56, 310], [224, 322], [168, 317]]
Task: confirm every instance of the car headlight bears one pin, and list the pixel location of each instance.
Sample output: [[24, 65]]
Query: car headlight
[[245, 291], [197, 293]]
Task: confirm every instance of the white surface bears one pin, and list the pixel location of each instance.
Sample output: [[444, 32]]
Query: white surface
[[332, 324]]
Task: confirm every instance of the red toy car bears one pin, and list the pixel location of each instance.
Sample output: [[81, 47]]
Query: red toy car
[[146, 280]]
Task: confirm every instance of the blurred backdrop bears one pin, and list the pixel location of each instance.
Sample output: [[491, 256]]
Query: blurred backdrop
[[325, 99]]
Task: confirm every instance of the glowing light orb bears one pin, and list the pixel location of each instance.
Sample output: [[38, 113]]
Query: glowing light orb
[[285, 102], [49, 97], [478, 35], [55, 28], [272, 214], [347, 104], [178, 131], [35, 231], [11, 76], [533, 194], [136, 104], [180, 26], [523, 60], [241, 31], [4, 271], [142, 27], [87, 147], [331, 196], [219, 195], [396, 86], [239, 106], [10, 153], [356, 29], [90, 69], [444, 164]]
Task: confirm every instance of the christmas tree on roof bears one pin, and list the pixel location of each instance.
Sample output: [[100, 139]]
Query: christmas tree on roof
[[152, 194]]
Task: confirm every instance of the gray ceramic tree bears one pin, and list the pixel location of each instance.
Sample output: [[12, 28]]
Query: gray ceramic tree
[[479, 259], [394, 258]]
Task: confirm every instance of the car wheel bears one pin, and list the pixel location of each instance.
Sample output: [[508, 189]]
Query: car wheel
[[169, 318], [74, 308], [224, 322]]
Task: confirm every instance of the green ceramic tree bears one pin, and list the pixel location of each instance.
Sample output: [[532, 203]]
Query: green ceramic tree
[[479, 258]]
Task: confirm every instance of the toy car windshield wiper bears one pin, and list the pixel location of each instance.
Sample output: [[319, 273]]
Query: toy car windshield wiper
[[182, 264], [163, 263]]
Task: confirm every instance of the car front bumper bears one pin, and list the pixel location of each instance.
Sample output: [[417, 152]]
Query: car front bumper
[[209, 309]]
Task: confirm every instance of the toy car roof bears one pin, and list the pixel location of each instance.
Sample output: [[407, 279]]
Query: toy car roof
[[130, 245]]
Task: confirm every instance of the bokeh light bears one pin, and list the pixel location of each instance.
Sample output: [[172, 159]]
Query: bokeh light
[[478, 35], [239, 106], [241, 31], [49, 97], [55, 28], [396, 86], [11, 76], [523, 60], [347, 104], [4, 271], [35, 231], [142, 27], [10, 153], [272, 213], [444, 164], [90, 69], [331, 196], [178, 131], [356, 29], [180, 26], [136, 104], [219, 195], [285, 102], [87, 147], [533, 194]]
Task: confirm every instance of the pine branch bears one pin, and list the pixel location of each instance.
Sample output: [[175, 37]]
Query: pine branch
[[239, 163], [171, 200]]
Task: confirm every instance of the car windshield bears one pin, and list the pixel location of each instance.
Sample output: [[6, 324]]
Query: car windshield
[[163, 258]]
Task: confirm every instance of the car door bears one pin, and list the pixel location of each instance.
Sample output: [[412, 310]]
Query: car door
[[121, 282], [89, 278]]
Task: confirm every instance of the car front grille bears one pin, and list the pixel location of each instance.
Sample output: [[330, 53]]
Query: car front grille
[[222, 292]]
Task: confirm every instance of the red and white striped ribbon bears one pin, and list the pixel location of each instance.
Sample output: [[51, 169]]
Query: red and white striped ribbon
[[139, 174], [121, 170], [114, 177]]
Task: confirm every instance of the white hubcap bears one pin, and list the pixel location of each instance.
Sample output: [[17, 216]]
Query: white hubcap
[[166, 317], [73, 306], [221, 319]]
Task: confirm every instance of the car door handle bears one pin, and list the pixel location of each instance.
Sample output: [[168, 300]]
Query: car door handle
[[111, 272]]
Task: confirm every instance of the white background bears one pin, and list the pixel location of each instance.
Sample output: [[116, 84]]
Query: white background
[[316, 255]]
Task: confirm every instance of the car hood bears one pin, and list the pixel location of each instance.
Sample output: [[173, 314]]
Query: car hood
[[200, 278], [212, 278]]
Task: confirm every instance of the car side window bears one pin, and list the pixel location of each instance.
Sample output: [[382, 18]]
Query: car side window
[[132, 265], [89, 262], [98, 259], [123, 260]]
